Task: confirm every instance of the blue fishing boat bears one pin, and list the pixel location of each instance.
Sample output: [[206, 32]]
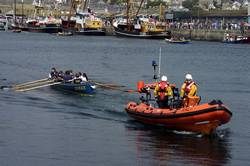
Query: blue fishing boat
[[84, 87]]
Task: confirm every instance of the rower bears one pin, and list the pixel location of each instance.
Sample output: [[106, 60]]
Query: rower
[[163, 93], [53, 74], [68, 76], [77, 79], [60, 76], [83, 76]]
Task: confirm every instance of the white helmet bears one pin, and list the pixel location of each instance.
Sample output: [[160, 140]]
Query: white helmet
[[189, 77], [164, 78]]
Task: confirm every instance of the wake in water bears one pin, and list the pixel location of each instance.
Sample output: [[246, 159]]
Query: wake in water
[[218, 133]]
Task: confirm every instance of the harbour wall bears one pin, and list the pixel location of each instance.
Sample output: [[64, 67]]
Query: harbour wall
[[194, 34], [205, 34]]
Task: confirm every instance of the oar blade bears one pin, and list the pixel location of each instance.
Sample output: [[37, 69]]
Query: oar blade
[[31, 82], [37, 87]]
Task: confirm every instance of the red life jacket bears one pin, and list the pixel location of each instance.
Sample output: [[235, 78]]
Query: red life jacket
[[188, 86], [163, 89]]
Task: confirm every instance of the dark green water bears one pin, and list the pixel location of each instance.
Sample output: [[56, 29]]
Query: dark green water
[[49, 127]]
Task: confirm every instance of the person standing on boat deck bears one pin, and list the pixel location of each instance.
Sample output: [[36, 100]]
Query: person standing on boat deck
[[163, 92], [189, 87]]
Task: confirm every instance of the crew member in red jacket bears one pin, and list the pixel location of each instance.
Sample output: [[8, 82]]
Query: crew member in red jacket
[[163, 92]]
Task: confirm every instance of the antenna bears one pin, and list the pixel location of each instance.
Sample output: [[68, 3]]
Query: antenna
[[154, 64], [159, 70]]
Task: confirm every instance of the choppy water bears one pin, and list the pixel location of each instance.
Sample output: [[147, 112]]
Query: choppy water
[[49, 127]]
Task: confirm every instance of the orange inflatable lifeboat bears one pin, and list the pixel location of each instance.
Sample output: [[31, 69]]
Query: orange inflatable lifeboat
[[203, 118]]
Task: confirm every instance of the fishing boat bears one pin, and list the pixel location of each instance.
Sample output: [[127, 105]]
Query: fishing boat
[[144, 29], [177, 41], [18, 24], [82, 20], [84, 87], [203, 118], [89, 24], [235, 39], [45, 25], [141, 26]]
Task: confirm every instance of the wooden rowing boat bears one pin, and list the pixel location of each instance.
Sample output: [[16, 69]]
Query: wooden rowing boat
[[85, 87]]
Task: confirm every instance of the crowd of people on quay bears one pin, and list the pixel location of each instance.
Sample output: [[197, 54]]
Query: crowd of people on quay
[[68, 76]]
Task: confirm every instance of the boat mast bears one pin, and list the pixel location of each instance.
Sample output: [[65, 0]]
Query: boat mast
[[161, 17], [128, 6], [72, 8], [74, 4], [248, 11], [22, 12], [14, 12], [85, 5], [159, 69], [38, 7], [139, 8]]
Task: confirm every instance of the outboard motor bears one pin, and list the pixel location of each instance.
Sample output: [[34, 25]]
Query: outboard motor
[[143, 90], [146, 91], [176, 103]]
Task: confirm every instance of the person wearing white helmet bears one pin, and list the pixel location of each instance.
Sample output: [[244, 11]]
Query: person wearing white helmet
[[164, 78], [189, 87], [163, 92]]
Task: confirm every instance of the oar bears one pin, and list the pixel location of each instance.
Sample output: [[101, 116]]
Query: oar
[[31, 82], [37, 87], [14, 87]]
